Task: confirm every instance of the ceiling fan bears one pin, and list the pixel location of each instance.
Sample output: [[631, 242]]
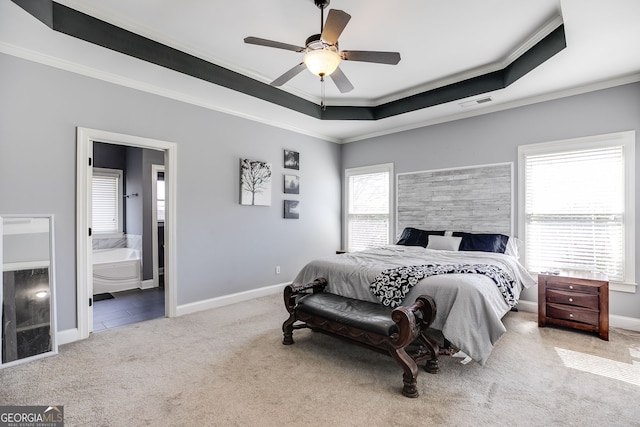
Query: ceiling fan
[[322, 55]]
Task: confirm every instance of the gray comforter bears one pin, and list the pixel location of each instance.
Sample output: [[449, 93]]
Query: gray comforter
[[469, 307]]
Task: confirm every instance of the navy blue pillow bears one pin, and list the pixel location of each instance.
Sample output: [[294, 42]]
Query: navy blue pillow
[[482, 242], [415, 237]]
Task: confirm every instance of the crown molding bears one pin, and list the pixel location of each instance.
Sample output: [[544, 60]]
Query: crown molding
[[55, 62], [205, 102], [494, 108]]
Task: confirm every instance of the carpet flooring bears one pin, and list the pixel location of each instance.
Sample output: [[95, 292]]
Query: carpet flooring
[[227, 367]]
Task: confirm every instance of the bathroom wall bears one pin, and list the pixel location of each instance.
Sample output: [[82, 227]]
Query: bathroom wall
[[109, 156], [139, 208], [136, 165], [149, 158]]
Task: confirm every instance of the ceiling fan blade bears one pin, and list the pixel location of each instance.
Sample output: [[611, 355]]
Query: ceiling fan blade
[[341, 81], [289, 75], [271, 43], [334, 25], [370, 56]]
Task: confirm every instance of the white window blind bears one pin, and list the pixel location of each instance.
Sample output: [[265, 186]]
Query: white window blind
[[368, 207], [107, 201], [575, 210]]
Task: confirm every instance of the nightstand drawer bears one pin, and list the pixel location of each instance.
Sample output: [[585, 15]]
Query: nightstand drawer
[[573, 287], [573, 314], [573, 298]]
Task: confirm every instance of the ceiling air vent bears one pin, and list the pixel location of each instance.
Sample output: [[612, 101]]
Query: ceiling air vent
[[478, 101]]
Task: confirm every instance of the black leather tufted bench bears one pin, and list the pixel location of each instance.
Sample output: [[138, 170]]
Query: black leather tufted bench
[[390, 331]]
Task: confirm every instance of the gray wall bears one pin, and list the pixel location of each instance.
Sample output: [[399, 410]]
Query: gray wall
[[222, 247], [494, 138]]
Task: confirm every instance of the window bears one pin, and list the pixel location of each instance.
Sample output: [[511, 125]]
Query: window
[[107, 201], [577, 205], [368, 206], [160, 196]]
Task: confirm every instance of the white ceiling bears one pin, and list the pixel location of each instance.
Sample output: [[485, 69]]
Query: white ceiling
[[439, 43]]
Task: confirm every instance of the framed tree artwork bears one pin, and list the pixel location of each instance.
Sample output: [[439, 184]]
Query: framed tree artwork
[[255, 183], [292, 184], [291, 159]]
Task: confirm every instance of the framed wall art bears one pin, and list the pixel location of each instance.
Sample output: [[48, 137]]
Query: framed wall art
[[255, 183], [292, 184], [291, 159], [292, 209]]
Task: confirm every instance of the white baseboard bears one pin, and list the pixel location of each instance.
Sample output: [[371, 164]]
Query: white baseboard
[[624, 322], [530, 306], [229, 299], [147, 284], [67, 336], [615, 321]]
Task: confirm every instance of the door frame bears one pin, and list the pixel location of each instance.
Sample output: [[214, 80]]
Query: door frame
[[155, 169], [84, 250]]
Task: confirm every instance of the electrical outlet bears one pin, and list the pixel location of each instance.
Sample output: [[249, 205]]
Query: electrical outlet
[[277, 269]]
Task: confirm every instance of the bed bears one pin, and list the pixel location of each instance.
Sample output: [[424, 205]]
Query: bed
[[474, 278]]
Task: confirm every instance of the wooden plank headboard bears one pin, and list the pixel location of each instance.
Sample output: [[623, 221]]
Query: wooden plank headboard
[[476, 199]]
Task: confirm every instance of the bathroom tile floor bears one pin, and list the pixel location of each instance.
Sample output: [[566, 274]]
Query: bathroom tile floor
[[128, 307]]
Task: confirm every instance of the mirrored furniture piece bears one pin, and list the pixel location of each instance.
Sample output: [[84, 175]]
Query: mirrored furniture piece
[[27, 289]]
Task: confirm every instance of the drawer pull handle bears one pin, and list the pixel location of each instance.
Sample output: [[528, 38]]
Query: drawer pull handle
[[570, 314], [570, 286], [570, 299]]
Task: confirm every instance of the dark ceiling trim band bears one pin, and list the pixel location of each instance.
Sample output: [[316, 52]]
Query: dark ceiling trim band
[[539, 53], [77, 24]]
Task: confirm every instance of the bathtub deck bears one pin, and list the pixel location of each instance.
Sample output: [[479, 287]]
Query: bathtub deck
[[128, 307]]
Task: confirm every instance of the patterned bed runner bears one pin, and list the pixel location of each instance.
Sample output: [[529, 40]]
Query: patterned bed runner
[[391, 286]]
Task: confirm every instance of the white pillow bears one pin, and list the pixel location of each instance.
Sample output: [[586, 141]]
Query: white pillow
[[513, 247], [445, 243]]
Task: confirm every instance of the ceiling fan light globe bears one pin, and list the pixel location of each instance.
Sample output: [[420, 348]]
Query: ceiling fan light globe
[[322, 62]]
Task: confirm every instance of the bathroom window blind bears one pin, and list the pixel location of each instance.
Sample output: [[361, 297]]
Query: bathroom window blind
[[575, 210], [107, 201]]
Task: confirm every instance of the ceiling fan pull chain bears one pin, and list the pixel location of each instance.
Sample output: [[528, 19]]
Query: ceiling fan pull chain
[[322, 105]]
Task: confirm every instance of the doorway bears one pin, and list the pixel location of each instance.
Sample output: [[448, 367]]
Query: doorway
[[85, 140]]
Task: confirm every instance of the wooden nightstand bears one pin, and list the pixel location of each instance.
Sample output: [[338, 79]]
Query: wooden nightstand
[[574, 299]]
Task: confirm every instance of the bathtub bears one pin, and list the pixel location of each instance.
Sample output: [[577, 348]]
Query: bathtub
[[115, 270]]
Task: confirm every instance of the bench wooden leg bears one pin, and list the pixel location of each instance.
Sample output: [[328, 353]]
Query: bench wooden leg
[[287, 329], [290, 295], [431, 365], [410, 370]]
